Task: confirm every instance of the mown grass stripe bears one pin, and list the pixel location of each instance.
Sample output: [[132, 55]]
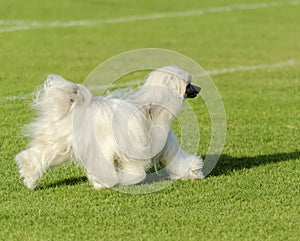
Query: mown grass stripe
[[24, 25]]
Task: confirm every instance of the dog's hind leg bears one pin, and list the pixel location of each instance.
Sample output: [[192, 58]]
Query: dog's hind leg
[[132, 172], [101, 173], [37, 159], [98, 165]]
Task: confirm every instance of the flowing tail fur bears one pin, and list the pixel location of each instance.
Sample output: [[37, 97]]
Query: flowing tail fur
[[57, 97], [51, 131]]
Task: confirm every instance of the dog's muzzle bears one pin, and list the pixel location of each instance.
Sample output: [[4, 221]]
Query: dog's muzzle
[[191, 91]]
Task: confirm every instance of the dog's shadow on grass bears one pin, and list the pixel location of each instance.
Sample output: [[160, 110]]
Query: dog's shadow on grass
[[225, 166], [72, 181], [228, 164]]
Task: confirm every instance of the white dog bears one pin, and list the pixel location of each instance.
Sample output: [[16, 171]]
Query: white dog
[[116, 138]]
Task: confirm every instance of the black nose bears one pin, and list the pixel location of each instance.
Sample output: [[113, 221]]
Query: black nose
[[191, 91]]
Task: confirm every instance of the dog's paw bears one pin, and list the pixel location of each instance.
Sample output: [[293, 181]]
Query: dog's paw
[[98, 186], [30, 183], [27, 171], [195, 170], [126, 178], [199, 174], [95, 182]]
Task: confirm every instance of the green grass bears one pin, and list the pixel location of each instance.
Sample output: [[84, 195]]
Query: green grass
[[253, 192]]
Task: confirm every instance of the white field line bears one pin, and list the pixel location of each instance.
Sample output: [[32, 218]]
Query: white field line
[[4, 99], [252, 67], [24, 25]]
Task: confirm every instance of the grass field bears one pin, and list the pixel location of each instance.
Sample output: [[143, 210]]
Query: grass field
[[252, 194]]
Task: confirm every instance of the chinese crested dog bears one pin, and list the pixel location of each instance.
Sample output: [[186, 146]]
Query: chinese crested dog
[[116, 138]]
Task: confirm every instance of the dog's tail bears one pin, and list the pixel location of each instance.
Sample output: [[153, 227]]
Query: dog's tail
[[57, 97]]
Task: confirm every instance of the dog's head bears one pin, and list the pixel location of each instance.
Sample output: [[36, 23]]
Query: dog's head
[[175, 79]]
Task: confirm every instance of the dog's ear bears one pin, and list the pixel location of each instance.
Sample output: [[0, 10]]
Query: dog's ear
[[150, 111], [153, 111], [159, 113], [83, 95]]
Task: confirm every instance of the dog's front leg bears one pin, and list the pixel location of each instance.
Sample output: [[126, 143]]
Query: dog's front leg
[[180, 164]]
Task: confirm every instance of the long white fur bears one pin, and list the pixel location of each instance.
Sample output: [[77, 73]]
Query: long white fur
[[116, 138]]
